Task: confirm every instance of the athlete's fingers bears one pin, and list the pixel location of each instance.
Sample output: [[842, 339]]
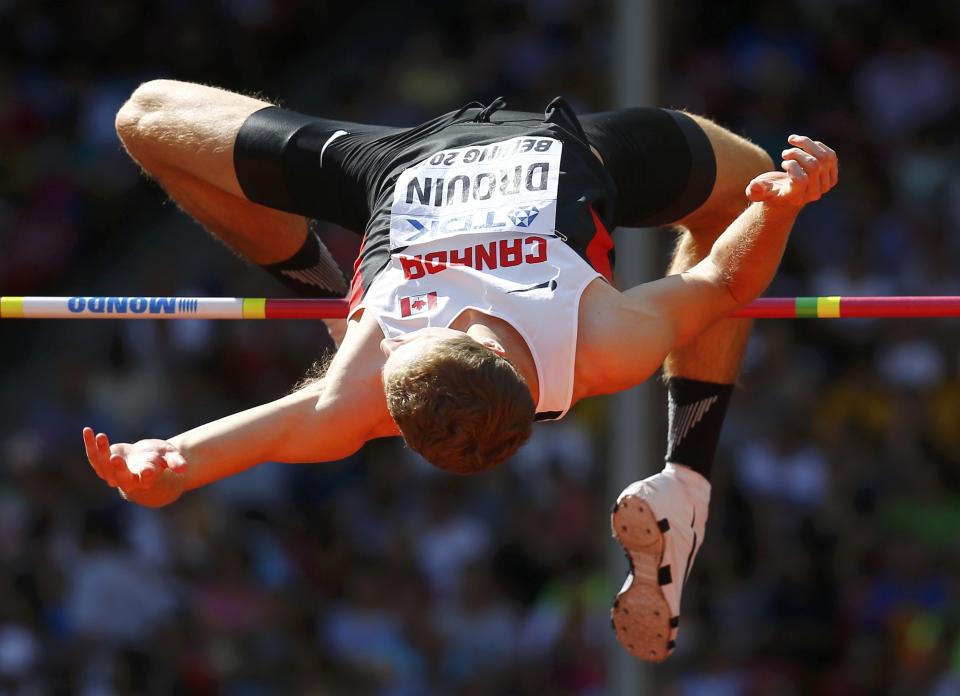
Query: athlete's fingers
[[175, 462], [146, 464], [827, 163], [795, 171], [103, 458], [824, 153], [799, 184], [819, 177], [833, 161], [811, 165], [810, 146], [148, 475], [90, 447], [830, 152], [124, 478], [147, 467], [759, 190]]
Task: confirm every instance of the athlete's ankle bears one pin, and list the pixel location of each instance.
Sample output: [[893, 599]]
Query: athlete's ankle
[[689, 477], [312, 271], [695, 412]]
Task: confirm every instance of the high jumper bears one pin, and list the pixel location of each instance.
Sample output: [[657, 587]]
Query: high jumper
[[482, 297]]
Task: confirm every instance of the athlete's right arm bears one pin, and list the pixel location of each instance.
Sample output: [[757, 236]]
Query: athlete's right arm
[[326, 420], [306, 426]]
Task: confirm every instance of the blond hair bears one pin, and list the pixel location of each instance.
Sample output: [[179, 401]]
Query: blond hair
[[461, 406]]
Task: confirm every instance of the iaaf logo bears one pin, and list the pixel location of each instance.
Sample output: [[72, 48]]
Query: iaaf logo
[[132, 305], [518, 217], [504, 253]]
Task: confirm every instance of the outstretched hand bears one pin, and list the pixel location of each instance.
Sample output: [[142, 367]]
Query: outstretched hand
[[810, 169], [148, 471]]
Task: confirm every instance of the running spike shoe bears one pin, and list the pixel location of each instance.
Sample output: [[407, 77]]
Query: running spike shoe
[[660, 523]]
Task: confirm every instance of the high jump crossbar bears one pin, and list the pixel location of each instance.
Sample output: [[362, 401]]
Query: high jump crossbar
[[112, 307]]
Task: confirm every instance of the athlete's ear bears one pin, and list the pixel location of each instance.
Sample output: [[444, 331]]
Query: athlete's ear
[[495, 346]]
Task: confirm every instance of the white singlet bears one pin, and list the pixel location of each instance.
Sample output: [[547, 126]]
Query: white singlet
[[474, 228]]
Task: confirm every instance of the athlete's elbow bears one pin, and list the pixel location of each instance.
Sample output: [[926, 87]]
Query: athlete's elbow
[[746, 289], [333, 431], [716, 275], [734, 287]]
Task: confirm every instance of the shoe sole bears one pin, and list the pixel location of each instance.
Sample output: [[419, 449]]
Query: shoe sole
[[641, 615]]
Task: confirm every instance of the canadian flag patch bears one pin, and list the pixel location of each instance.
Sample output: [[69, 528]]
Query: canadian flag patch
[[418, 304]]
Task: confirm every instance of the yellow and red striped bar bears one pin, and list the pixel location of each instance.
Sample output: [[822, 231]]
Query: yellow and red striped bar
[[835, 307], [136, 307]]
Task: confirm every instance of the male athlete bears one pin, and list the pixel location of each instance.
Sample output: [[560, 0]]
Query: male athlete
[[481, 298]]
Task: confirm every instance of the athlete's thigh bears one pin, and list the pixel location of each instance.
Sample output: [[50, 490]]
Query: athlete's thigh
[[737, 161], [661, 161], [317, 167]]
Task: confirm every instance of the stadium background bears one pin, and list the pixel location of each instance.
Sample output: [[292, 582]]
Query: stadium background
[[831, 562]]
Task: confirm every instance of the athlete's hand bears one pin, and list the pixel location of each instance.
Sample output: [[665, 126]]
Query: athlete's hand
[[810, 169], [150, 472]]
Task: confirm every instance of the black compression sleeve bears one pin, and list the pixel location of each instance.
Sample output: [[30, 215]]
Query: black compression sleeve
[[660, 160], [695, 413], [258, 155], [297, 163]]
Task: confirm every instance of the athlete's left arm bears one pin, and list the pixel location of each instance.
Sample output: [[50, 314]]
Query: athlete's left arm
[[652, 319]]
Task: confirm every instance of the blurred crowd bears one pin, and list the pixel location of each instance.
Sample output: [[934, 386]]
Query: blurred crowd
[[830, 563]]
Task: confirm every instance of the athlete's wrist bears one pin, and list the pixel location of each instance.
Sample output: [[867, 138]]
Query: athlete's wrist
[[780, 209]]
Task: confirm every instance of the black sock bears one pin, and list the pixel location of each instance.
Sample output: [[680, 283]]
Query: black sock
[[695, 413], [312, 271]]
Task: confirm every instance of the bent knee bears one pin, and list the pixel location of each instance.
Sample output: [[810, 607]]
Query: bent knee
[[146, 101], [153, 94], [185, 112], [735, 154]]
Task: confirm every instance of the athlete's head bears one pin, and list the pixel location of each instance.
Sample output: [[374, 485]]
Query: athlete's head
[[456, 399]]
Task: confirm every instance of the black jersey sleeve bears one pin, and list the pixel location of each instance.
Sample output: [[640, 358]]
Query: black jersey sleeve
[[660, 160], [316, 167]]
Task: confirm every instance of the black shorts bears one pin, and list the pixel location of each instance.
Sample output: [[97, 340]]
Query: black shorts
[[658, 166]]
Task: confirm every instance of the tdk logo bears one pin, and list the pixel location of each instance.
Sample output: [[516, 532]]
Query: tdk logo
[[473, 222], [131, 305]]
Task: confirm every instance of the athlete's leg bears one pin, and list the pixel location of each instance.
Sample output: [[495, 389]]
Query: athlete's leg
[[661, 521], [737, 162], [185, 136], [708, 366]]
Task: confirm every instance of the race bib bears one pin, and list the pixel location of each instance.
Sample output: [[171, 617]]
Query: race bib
[[508, 186]]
